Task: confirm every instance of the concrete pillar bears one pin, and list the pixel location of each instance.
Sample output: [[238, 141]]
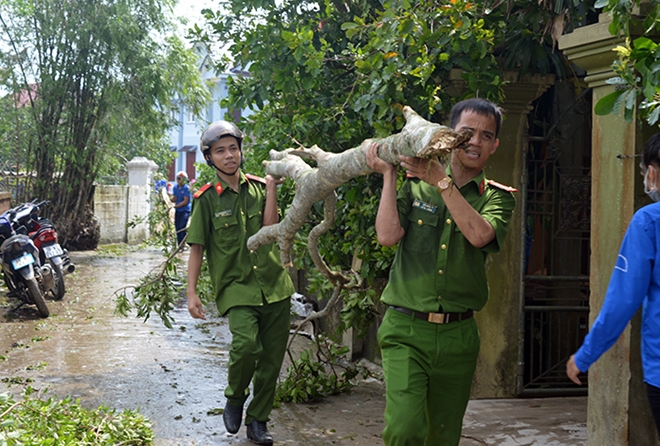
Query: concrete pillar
[[617, 408], [497, 369], [140, 180], [141, 171], [497, 366]]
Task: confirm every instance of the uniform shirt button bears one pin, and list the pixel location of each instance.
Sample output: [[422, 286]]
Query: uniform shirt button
[[254, 267], [439, 297], [226, 225], [419, 222], [443, 246], [449, 221], [441, 272]]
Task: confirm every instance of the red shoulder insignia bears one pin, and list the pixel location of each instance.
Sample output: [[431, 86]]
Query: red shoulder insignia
[[502, 186], [202, 190], [249, 176]]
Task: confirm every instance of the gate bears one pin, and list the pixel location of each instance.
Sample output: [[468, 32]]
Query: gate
[[555, 315]]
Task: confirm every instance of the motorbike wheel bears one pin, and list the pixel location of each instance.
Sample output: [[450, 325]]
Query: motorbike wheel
[[36, 297], [8, 282], [58, 290]]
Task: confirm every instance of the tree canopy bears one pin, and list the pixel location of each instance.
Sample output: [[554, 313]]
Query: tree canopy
[[88, 85], [332, 74]]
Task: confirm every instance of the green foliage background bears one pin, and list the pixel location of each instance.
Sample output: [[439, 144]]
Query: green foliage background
[[334, 74], [85, 87], [637, 80]]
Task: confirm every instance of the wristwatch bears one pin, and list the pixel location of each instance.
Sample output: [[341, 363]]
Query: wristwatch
[[444, 184]]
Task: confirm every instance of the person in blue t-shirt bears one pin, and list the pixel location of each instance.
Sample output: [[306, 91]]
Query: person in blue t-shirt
[[183, 202], [635, 283]]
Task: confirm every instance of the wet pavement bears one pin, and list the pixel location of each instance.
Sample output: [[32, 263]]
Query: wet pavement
[[177, 377], [515, 422]]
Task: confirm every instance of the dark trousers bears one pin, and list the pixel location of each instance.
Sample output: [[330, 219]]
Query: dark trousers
[[653, 394], [180, 222]]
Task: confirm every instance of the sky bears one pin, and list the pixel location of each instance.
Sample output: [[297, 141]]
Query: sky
[[191, 9]]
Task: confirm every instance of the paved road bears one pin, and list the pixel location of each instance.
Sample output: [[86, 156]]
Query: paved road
[[176, 377]]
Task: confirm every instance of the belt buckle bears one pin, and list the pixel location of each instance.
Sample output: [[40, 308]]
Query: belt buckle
[[437, 318]]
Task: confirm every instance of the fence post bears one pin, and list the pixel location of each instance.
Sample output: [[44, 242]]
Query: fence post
[[140, 178]]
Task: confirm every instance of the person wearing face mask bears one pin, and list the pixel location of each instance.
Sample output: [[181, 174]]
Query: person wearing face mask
[[635, 283]]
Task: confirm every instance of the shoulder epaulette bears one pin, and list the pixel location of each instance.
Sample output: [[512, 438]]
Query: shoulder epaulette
[[202, 189], [502, 186], [249, 176]]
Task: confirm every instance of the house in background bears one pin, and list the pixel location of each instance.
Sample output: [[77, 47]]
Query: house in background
[[184, 137]]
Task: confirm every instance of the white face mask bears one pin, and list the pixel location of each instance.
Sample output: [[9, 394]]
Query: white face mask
[[652, 193]]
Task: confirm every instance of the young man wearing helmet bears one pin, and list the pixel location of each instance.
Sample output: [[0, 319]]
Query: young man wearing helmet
[[251, 287], [183, 203]]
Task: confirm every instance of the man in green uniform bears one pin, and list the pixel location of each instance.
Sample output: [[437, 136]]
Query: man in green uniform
[[446, 221], [251, 287]]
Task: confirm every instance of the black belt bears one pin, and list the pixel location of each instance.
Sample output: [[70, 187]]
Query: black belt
[[436, 318]]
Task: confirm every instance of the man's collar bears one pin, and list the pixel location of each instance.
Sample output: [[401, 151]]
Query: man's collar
[[479, 180], [222, 185]]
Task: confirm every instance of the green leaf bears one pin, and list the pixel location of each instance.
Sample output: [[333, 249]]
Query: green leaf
[[653, 116], [628, 114], [644, 43], [606, 104]]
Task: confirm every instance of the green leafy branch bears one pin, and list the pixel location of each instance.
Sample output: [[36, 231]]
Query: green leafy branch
[[35, 420], [638, 66], [318, 373]]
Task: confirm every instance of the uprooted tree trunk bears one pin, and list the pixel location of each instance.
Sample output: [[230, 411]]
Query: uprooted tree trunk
[[418, 138]]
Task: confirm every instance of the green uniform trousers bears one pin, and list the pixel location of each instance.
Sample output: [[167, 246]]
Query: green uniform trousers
[[259, 338], [428, 375]]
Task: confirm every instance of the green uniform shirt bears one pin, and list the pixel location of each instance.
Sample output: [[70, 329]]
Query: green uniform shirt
[[436, 268], [222, 221]]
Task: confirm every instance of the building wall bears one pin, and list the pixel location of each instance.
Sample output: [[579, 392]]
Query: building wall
[[110, 205], [184, 138], [117, 206]]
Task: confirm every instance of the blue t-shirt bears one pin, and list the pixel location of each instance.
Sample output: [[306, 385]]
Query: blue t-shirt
[[161, 184], [179, 194], [635, 283]]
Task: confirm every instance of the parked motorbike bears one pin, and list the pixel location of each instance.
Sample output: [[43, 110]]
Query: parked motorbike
[[23, 274], [44, 236]]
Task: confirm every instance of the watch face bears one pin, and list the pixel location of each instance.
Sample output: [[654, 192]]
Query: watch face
[[443, 184]]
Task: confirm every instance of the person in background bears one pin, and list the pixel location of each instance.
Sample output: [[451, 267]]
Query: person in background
[[160, 182], [634, 284], [446, 220], [182, 198], [251, 287]]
